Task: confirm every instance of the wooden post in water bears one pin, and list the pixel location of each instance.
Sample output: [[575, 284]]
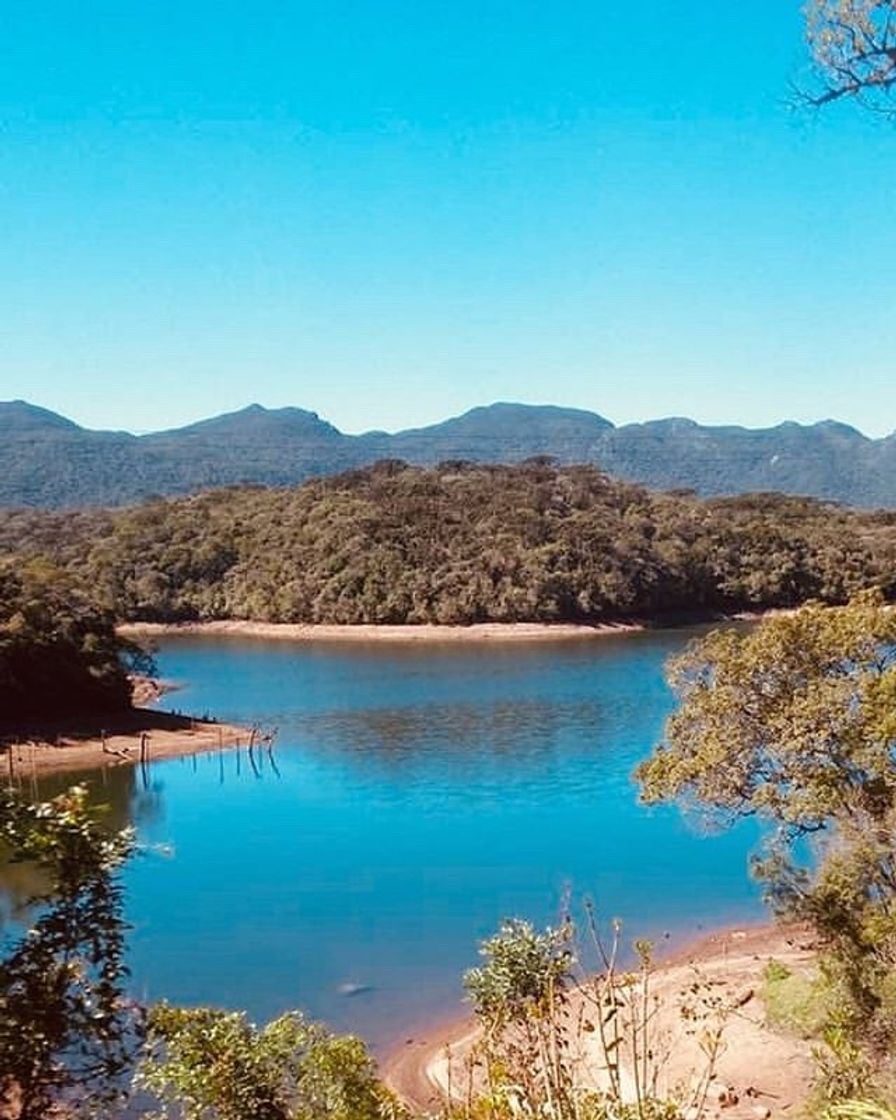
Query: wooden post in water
[[144, 743], [252, 732]]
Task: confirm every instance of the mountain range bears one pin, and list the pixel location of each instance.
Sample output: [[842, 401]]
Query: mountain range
[[49, 461]]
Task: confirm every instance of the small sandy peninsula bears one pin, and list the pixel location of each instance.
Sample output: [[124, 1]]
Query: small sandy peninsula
[[143, 734], [139, 735], [425, 632], [761, 1071]]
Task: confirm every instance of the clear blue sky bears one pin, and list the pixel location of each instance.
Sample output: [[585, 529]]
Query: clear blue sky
[[389, 212]]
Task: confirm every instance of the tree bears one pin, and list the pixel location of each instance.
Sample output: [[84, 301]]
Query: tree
[[795, 722], [65, 1029], [853, 45], [59, 652], [206, 1064]]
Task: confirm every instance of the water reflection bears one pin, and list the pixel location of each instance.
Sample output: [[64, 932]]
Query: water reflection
[[117, 791], [114, 790], [415, 797], [525, 730]]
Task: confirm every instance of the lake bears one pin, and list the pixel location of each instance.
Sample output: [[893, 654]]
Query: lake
[[416, 796]]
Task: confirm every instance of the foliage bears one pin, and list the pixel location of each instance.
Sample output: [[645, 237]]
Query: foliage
[[520, 995], [844, 1069], [59, 653], [525, 972], [796, 1002], [64, 1026], [859, 1110], [853, 44], [796, 722], [565, 1037], [458, 544], [205, 1064]]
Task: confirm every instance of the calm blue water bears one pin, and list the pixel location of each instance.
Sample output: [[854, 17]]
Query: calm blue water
[[420, 795]]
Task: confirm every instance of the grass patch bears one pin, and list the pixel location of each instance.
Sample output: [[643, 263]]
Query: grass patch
[[798, 1003]]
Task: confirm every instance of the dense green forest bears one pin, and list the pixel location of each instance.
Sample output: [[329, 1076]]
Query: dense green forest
[[59, 653], [459, 543]]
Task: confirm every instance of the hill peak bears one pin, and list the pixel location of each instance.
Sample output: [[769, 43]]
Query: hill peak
[[20, 416], [838, 428], [553, 412], [253, 421], [508, 414]]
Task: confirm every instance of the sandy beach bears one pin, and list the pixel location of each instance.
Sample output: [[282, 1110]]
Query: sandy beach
[[313, 632], [761, 1067]]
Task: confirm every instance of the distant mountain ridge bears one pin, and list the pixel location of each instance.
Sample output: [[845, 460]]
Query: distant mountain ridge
[[49, 461]]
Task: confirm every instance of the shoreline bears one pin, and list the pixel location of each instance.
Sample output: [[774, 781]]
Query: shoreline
[[422, 1069], [430, 632], [139, 736], [376, 632]]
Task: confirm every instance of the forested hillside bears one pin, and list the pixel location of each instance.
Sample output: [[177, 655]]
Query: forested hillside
[[47, 461], [459, 543]]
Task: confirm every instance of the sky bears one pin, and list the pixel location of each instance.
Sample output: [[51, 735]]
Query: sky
[[391, 212]]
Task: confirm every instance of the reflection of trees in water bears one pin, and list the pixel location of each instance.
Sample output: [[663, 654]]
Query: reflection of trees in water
[[113, 788], [126, 796], [124, 800], [456, 734], [19, 883]]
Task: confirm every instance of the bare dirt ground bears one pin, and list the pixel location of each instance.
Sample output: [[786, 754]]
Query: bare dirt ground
[[142, 734], [424, 632], [301, 632], [760, 1072]]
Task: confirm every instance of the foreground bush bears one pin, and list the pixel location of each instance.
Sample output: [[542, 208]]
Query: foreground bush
[[204, 1064], [66, 1031]]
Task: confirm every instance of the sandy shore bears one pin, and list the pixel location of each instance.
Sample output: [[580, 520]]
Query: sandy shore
[[120, 739], [763, 1068], [307, 632]]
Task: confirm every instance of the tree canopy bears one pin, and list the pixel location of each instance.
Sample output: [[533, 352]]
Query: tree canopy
[[59, 652], [795, 721], [459, 543], [853, 45]]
